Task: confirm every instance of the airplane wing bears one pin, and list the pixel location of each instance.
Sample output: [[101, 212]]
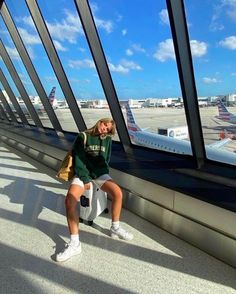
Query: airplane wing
[[218, 123], [219, 143]]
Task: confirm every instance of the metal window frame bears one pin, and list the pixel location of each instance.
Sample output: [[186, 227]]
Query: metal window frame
[[179, 30], [55, 62], [3, 114], [29, 66], [12, 71], [7, 108], [98, 55], [12, 97]]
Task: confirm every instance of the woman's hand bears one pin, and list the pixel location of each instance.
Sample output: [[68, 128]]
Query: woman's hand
[[87, 186]]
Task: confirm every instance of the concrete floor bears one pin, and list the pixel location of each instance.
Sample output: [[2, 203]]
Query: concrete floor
[[33, 228]]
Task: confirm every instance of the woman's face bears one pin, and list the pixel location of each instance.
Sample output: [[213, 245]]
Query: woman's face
[[104, 128]]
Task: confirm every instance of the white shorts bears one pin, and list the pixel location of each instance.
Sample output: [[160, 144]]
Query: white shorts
[[98, 181]]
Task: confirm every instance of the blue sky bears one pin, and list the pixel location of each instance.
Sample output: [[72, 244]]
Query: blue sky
[[137, 41]]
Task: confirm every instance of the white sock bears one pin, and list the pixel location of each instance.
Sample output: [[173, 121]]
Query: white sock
[[115, 225], [74, 239]]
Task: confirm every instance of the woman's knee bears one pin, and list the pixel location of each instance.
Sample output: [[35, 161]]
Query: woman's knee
[[117, 193], [72, 198], [112, 189], [70, 201]]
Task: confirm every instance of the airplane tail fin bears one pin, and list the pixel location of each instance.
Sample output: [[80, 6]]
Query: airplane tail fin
[[51, 96], [223, 112], [132, 126]]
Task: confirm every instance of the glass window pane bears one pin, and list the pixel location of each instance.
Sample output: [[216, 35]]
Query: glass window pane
[[9, 103], [32, 41], [139, 49], [67, 34], [13, 88], [211, 29]]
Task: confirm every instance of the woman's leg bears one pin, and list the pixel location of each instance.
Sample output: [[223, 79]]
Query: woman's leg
[[73, 195], [71, 202], [116, 194]]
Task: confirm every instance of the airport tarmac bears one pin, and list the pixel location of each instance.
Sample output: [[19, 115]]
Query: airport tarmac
[[153, 118]]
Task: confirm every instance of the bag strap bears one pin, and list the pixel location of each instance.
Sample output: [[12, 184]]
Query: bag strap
[[85, 138]]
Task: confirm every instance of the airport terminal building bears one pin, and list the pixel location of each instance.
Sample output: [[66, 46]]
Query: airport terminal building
[[86, 60]]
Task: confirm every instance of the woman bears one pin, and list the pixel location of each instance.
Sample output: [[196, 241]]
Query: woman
[[91, 164]]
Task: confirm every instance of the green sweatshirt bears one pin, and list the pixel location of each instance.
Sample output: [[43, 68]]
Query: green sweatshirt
[[91, 160]]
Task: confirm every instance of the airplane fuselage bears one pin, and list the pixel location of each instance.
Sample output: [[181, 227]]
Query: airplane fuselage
[[174, 145], [160, 142], [156, 141]]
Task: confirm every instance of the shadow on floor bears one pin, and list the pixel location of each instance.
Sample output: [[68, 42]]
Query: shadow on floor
[[190, 260]]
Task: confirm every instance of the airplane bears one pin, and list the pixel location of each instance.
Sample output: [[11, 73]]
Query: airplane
[[52, 99], [155, 141], [38, 106], [51, 96], [224, 114]]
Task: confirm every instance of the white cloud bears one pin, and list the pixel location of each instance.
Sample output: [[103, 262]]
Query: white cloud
[[78, 81], [130, 64], [26, 82], [138, 48], [107, 25], [59, 46], [124, 32], [4, 32], [30, 52], [81, 49], [198, 49], [230, 6], [229, 43], [215, 24], [129, 52], [13, 53], [166, 51], [50, 79], [86, 63], [164, 17], [119, 17], [134, 48], [227, 7], [232, 14], [124, 67], [104, 24], [207, 80], [30, 39], [118, 68], [68, 29], [27, 20]]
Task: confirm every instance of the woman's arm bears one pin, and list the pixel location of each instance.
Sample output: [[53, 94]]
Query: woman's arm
[[108, 157], [80, 160]]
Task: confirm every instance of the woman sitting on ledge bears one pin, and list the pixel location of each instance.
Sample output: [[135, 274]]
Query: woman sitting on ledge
[[91, 164]]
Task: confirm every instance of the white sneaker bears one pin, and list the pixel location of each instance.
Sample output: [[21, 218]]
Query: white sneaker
[[68, 252], [121, 234]]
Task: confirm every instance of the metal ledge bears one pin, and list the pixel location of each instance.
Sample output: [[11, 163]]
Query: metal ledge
[[192, 220], [205, 238]]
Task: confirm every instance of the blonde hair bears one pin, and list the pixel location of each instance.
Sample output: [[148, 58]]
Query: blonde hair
[[94, 130]]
